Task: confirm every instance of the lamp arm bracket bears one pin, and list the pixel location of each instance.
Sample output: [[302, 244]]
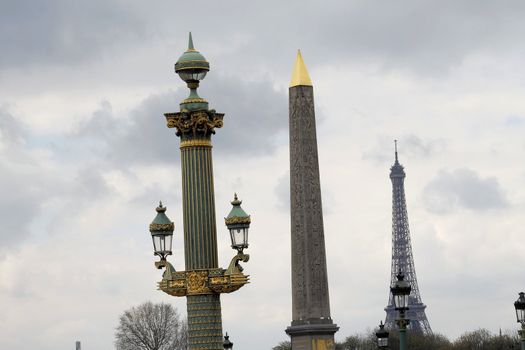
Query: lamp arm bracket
[[169, 268], [235, 268]]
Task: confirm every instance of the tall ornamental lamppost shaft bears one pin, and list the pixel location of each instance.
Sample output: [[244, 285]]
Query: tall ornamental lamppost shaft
[[400, 293], [203, 281], [519, 306]]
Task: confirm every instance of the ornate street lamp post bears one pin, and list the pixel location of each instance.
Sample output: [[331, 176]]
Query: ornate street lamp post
[[203, 281], [382, 337], [401, 291], [519, 305], [227, 343]]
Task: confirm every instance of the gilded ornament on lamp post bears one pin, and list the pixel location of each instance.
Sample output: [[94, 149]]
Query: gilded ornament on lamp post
[[203, 280]]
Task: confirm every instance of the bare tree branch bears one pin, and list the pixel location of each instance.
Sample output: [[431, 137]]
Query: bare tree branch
[[151, 327]]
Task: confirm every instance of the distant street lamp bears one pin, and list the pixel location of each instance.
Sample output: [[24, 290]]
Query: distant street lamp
[[401, 291], [227, 343], [203, 280], [519, 305], [382, 337]]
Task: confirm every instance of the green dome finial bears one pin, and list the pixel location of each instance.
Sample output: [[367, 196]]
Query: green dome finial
[[192, 62], [192, 68], [190, 44]]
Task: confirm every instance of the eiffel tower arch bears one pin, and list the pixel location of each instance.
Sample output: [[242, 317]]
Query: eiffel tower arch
[[402, 258]]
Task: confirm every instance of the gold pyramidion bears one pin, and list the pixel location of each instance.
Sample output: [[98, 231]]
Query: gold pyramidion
[[300, 74]]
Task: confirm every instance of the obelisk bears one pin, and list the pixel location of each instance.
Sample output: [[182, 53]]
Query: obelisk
[[312, 327]]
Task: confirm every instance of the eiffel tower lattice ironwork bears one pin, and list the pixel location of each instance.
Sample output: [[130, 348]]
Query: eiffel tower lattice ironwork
[[402, 259]]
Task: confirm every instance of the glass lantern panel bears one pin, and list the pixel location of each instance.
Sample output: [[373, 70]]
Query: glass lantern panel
[[520, 314], [237, 236], [185, 76], [192, 75], [169, 239], [401, 301], [245, 237], [396, 301], [156, 243], [382, 342], [162, 243]]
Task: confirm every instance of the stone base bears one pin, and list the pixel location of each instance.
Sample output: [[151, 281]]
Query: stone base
[[312, 336]]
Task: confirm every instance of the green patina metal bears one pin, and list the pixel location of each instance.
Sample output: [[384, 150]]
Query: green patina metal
[[200, 231], [191, 59], [205, 322], [194, 102], [192, 67], [237, 214], [161, 222], [403, 339], [402, 323], [200, 242]]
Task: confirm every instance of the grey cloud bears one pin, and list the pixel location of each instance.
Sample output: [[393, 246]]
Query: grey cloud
[[141, 138], [255, 113], [22, 184], [156, 192], [282, 191], [12, 130], [21, 201], [28, 186], [409, 146], [463, 188], [414, 146], [62, 32], [425, 36], [88, 185]]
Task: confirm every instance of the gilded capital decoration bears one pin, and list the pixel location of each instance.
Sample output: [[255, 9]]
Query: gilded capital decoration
[[195, 123], [195, 143]]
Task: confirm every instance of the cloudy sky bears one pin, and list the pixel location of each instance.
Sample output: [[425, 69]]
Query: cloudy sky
[[85, 156]]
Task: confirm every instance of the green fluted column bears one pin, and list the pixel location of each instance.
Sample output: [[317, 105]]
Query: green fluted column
[[200, 240], [200, 231], [522, 336], [204, 322], [402, 324], [403, 339]]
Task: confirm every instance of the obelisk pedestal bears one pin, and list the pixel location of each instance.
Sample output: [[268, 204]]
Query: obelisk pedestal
[[312, 327]]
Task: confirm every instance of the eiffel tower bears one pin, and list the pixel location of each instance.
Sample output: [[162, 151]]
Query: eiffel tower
[[402, 259]]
